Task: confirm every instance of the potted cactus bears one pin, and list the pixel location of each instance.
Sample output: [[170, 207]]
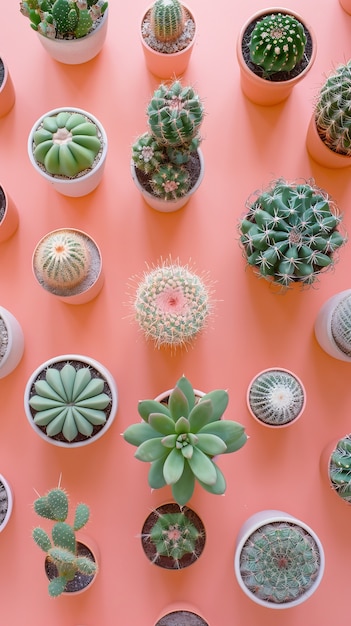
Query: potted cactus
[[67, 263], [171, 305], [173, 537], [167, 164], [276, 397], [71, 400], [167, 34], [333, 326], [7, 90], [6, 502], [181, 614], [290, 233], [70, 565], [180, 438], [275, 50], [279, 560], [9, 218], [328, 138], [71, 32], [11, 342], [336, 466], [68, 147]]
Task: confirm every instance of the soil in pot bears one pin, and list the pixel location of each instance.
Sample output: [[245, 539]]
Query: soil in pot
[[4, 502], [4, 338], [2, 72], [169, 47], [193, 167], [181, 618], [80, 581], [2, 195]]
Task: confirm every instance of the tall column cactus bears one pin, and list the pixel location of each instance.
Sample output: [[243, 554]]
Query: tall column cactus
[[333, 110], [167, 20]]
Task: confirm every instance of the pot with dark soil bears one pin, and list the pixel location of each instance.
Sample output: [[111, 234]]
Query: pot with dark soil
[[181, 615], [11, 342], [7, 90], [8, 216], [6, 502]]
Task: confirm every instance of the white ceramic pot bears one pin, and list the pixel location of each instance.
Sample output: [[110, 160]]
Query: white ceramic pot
[[253, 523], [6, 502], [14, 348], [322, 327], [76, 51], [9, 221], [320, 152], [82, 184], [91, 363], [7, 91]]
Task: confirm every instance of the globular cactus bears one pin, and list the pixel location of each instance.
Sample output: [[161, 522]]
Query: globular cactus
[[170, 182], [4, 500], [279, 562], [61, 548], [277, 43], [69, 401], [333, 110], [181, 438], [63, 18], [290, 233], [173, 535], [147, 154], [340, 468], [62, 259], [276, 397], [167, 20], [341, 325], [66, 144], [171, 305]]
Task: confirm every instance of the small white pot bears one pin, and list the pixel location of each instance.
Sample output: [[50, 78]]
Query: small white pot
[[168, 206], [253, 523], [9, 504], [76, 51], [105, 373], [82, 184], [322, 327], [15, 343]]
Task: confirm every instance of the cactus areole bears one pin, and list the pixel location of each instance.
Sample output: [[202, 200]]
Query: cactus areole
[[63, 19]]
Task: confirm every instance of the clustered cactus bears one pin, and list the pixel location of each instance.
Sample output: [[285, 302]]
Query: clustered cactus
[[279, 562], [69, 401], [290, 233], [181, 439], [167, 20], [173, 535], [340, 468], [171, 305], [61, 548], [276, 397], [277, 43], [341, 325], [63, 18], [333, 110], [175, 114], [62, 259], [66, 144]]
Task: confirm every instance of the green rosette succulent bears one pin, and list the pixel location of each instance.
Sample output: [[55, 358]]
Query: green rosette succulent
[[69, 401], [333, 110], [63, 18], [66, 144], [181, 438]]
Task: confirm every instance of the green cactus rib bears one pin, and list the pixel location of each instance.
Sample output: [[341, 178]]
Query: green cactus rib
[[147, 154], [333, 110], [341, 325], [276, 397], [279, 562], [174, 535], [277, 43], [57, 19], [66, 144], [340, 468], [290, 233], [181, 439], [167, 20], [62, 259], [170, 182], [69, 401]]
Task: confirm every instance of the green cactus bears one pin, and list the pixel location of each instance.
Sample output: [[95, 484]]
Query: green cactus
[[63, 18], [167, 20], [277, 43], [333, 110], [340, 468], [66, 144], [341, 325], [147, 154], [276, 397], [170, 181], [290, 233], [61, 548], [173, 535], [62, 259], [69, 401], [279, 562], [181, 439], [171, 305]]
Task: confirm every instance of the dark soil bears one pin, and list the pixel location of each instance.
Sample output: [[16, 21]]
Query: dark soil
[[192, 166], [80, 581], [4, 502], [181, 618], [2, 195]]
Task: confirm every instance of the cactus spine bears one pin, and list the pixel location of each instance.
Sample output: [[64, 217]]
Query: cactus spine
[[173, 535], [170, 181], [62, 259], [341, 325], [167, 20], [340, 468], [63, 19], [333, 110], [276, 397]]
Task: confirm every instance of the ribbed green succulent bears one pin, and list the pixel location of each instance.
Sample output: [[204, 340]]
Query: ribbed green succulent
[[290, 233], [62, 259], [333, 110], [61, 548], [171, 305], [340, 468], [279, 562], [341, 325], [276, 397], [69, 401], [170, 181], [63, 18], [277, 43], [181, 438], [173, 535], [167, 20], [66, 144], [147, 154]]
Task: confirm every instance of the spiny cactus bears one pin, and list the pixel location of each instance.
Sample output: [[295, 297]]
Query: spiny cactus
[[66, 144], [290, 232], [340, 468], [4, 502], [167, 19], [181, 438], [171, 305], [277, 43], [62, 259], [279, 562], [276, 397], [341, 325], [63, 18], [147, 154], [170, 181], [69, 401], [61, 549], [333, 110]]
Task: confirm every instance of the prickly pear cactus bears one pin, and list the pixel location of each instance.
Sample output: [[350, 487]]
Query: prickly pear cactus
[[333, 110], [341, 325], [62, 259], [340, 468], [167, 20]]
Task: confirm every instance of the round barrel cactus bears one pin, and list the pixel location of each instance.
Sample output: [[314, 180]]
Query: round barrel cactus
[[333, 110], [66, 144], [62, 259], [276, 397], [167, 19], [340, 468], [341, 325]]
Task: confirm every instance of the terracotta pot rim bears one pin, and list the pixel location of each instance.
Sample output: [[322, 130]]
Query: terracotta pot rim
[[171, 55]]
